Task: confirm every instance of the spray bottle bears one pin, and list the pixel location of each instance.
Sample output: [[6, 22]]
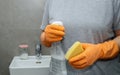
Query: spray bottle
[[58, 63]]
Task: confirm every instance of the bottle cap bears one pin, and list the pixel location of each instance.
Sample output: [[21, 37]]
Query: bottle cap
[[58, 22]]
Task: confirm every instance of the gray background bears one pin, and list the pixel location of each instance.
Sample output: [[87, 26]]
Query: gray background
[[19, 23]]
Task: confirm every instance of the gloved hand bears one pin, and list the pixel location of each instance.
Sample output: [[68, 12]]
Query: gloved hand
[[43, 41], [93, 52], [52, 33]]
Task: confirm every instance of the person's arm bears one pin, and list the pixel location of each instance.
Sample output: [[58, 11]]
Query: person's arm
[[117, 38], [93, 52], [106, 50]]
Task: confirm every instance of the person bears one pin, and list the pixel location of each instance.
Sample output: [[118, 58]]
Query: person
[[95, 23]]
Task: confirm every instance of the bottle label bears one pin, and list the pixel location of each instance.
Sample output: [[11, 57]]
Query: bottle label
[[58, 67]]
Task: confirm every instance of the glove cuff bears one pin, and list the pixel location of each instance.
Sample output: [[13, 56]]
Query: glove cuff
[[109, 49]]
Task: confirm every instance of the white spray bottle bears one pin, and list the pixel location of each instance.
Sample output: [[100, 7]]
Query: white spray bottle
[[58, 63]]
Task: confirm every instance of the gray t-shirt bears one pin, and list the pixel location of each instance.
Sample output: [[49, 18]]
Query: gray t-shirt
[[89, 21]]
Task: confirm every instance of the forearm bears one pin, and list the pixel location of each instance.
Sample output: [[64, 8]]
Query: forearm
[[111, 48], [117, 40]]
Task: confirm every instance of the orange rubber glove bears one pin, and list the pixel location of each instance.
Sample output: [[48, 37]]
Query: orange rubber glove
[[93, 52], [52, 33], [43, 41]]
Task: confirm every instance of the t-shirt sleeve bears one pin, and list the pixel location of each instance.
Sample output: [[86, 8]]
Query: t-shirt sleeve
[[116, 23], [45, 20]]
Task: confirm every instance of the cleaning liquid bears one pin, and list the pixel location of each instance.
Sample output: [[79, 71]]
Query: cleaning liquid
[[58, 62]]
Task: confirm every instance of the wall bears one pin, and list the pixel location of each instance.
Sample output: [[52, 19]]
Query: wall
[[19, 23]]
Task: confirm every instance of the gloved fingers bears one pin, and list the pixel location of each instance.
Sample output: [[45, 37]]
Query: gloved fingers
[[54, 39], [53, 36], [55, 27], [83, 63], [55, 33], [77, 58], [85, 45], [79, 63], [80, 66]]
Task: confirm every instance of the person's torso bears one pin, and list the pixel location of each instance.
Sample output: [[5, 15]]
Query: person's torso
[[87, 21]]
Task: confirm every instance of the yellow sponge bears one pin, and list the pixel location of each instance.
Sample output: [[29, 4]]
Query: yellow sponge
[[74, 50]]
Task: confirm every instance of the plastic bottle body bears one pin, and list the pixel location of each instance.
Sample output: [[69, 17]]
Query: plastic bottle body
[[58, 64]]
